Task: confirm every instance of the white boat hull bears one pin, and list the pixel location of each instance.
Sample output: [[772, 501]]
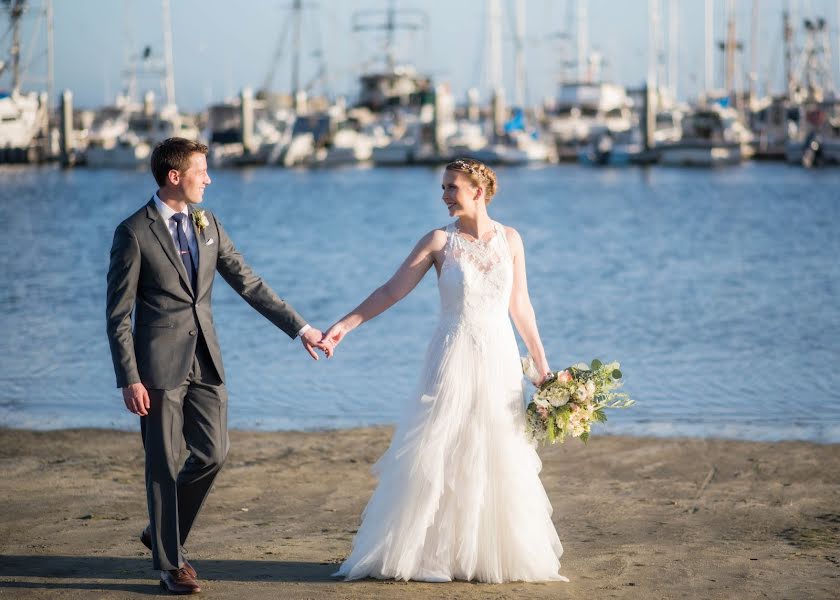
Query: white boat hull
[[700, 155], [121, 156]]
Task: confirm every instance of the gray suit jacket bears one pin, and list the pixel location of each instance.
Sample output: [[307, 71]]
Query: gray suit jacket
[[146, 276]]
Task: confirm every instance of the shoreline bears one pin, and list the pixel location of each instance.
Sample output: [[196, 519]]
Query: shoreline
[[638, 517], [648, 437]]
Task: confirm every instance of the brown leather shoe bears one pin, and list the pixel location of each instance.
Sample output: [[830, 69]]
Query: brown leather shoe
[[179, 582], [146, 538]]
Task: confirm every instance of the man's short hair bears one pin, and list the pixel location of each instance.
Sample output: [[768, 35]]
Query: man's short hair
[[173, 153]]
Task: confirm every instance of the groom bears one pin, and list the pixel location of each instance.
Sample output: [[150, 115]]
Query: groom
[[169, 365]]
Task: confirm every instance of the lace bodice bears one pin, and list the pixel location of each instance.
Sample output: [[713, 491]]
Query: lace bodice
[[476, 277]]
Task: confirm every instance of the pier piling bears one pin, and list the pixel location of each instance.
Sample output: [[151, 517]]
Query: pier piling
[[66, 141]]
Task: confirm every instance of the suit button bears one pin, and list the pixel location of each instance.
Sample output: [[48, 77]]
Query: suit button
[[192, 332]]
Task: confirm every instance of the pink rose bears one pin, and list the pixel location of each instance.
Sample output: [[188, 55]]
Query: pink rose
[[564, 376]]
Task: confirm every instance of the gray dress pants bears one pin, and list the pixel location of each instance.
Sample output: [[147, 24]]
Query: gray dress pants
[[195, 411]]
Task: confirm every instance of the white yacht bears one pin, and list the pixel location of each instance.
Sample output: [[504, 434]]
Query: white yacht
[[123, 136], [713, 136], [23, 118], [582, 111]]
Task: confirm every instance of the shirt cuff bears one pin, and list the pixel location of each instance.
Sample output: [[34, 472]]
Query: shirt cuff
[[304, 329]]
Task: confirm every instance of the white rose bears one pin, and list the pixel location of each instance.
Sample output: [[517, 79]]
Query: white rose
[[559, 398]]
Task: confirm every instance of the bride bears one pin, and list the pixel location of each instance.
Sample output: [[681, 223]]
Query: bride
[[459, 496]]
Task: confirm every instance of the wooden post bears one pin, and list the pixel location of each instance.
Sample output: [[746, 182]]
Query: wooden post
[[247, 120], [67, 145]]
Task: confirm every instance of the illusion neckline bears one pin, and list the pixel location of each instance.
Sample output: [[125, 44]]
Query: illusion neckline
[[472, 240]]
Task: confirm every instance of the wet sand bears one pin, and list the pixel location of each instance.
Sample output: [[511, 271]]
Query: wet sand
[[639, 518]]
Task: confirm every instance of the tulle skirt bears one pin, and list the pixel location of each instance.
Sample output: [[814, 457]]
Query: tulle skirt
[[459, 494]]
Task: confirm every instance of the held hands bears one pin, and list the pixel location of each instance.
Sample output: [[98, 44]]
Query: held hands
[[333, 337], [312, 339], [136, 399], [325, 342]]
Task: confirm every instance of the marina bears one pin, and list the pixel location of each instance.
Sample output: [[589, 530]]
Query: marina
[[399, 115], [705, 284]]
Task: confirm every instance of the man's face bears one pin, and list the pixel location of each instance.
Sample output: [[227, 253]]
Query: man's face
[[194, 179]]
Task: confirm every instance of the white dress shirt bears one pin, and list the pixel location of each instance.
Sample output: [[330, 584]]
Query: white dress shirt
[[186, 227], [192, 243]]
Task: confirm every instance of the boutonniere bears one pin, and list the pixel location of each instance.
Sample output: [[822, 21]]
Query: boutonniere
[[199, 219]]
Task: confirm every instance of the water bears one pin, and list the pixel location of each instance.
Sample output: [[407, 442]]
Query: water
[[718, 292]]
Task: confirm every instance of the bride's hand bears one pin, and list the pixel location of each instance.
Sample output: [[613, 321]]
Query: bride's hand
[[333, 337], [564, 376]]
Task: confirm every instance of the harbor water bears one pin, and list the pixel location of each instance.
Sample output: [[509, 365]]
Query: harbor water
[[719, 292]]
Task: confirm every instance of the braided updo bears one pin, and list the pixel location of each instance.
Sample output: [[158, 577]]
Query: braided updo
[[480, 174]]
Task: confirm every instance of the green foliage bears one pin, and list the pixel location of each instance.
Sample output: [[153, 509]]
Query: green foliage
[[583, 400]]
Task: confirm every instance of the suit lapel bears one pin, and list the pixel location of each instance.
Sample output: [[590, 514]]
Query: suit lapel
[[161, 231]]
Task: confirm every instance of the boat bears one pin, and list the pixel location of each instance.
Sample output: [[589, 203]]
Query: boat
[[814, 136], [24, 116], [124, 135], [772, 121], [584, 111], [713, 136], [23, 120]]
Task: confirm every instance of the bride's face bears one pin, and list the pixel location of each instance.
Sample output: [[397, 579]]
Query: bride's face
[[459, 194]]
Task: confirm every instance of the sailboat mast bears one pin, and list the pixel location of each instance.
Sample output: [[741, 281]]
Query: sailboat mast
[[787, 34], [582, 42], [50, 57], [297, 7], [390, 28], [753, 88], [169, 67], [710, 25], [653, 36], [494, 45], [15, 14], [729, 48], [520, 53], [673, 46]]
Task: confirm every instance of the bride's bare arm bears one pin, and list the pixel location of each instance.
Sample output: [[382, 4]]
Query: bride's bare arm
[[521, 310], [412, 270]]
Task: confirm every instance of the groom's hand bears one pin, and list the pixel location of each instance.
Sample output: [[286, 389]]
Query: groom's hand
[[311, 340], [136, 399]]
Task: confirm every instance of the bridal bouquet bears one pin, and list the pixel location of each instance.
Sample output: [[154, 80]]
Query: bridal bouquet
[[568, 402]]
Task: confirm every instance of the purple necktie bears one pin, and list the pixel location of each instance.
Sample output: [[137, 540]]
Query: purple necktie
[[184, 247]]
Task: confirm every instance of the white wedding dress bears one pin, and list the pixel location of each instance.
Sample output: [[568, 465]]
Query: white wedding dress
[[459, 496]]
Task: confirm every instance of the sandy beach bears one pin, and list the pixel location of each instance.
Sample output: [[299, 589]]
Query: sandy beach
[[639, 518]]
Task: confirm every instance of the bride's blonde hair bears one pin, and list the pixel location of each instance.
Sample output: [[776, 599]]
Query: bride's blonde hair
[[480, 174]]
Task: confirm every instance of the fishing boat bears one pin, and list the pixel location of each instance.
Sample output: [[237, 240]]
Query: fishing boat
[[24, 116], [713, 136], [124, 135]]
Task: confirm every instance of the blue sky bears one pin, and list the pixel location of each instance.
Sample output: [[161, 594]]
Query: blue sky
[[221, 46]]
